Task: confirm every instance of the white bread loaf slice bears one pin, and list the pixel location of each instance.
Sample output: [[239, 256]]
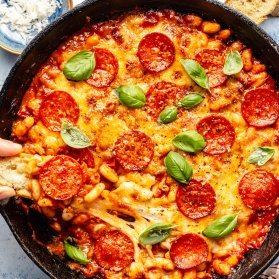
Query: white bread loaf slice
[[257, 10], [12, 173], [17, 171]]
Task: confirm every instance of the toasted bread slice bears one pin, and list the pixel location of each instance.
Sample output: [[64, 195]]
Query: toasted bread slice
[[257, 10], [276, 10]]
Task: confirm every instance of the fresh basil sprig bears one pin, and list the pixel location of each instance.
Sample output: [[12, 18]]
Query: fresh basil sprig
[[261, 155], [74, 137], [233, 63], [190, 100], [222, 226], [178, 168], [156, 233], [80, 66], [189, 141], [168, 115], [74, 252], [130, 95], [196, 72]]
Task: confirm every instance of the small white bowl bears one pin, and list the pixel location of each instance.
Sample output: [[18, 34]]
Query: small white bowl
[[12, 40]]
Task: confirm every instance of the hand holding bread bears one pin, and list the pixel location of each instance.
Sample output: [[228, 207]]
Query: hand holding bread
[[8, 148]]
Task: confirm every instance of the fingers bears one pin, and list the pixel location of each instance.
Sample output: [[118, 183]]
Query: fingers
[[6, 192], [8, 148]]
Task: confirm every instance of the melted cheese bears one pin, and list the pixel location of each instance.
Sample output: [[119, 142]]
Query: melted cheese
[[104, 119]]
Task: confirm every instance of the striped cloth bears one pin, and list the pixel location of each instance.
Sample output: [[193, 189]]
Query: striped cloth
[[271, 273]]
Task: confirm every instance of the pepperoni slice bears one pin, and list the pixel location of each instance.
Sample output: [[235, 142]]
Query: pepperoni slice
[[58, 107], [114, 250], [212, 61], [269, 83], [61, 177], [188, 251], [81, 155], [196, 200], [109, 30], [258, 189], [105, 70], [218, 132], [260, 107], [151, 19], [156, 52], [134, 150], [160, 95]]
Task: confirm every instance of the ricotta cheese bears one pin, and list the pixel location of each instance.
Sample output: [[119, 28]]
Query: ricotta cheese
[[26, 18]]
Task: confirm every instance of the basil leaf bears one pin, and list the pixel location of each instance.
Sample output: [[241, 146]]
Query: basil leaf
[[74, 137], [233, 63], [196, 72], [156, 233], [80, 66], [191, 100], [261, 155], [222, 226], [189, 141], [168, 115], [178, 168], [74, 252], [130, 95]]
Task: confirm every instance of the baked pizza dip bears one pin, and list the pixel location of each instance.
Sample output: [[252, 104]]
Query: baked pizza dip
[[151, 147]]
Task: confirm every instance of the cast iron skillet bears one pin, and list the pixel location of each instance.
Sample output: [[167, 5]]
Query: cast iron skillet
[[39, 50]]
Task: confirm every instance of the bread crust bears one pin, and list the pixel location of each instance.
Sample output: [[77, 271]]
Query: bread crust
[[276, 10], [256, 10]]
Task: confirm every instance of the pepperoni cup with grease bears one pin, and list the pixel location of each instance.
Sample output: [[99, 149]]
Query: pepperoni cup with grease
[[188, 251], [61, 177]]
